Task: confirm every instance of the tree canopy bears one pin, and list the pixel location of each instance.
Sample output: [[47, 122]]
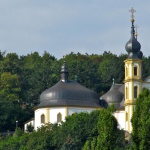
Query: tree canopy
[[141, 122], [24, 78], [73, 134]]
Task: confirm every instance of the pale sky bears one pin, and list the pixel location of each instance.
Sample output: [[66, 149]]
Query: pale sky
[[63, 26]]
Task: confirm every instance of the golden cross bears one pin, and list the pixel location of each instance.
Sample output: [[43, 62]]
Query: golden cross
[[132, 10]]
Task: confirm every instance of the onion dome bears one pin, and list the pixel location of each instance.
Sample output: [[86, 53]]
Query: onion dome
[[115, 95], [140, 54], [68, 93], [133, 46]]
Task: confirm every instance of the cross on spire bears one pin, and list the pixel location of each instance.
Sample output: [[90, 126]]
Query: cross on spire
[[132, 10]]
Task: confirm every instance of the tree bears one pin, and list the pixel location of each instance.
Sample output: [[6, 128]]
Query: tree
[[9, 97], [141, 122], [10, 63], [109, 136], [76, 130], [37, 74], [111, 67], [145, 66]]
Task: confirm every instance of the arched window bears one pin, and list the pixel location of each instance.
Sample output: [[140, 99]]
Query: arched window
[[135, 91], [59, 117], [126, 93], [126, 71], [135, 70], [42, 118]]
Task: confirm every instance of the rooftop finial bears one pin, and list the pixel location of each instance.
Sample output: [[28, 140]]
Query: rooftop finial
[[132, 10], [64, 72], [136, 33]]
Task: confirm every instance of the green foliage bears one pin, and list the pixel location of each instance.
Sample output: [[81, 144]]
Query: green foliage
[[76, 130], [141, 122], [18, 132], [23, 78], [111, 67], [94, 131], [9, 95], [146, 64], [109, 137], [69, 144], [108, 131], [87, 145], [30, 128]]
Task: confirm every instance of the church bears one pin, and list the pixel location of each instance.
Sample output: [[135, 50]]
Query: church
[[68, 97]]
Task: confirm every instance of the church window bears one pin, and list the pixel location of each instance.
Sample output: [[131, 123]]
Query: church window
[[42, 118], [135, 91], [135, 70], [59, 117], [126, 71], [126, 93]]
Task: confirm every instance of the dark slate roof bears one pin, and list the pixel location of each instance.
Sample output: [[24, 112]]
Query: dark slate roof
[[115, 96], [69, 93]]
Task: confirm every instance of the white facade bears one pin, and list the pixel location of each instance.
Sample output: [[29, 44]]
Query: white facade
[[51, 114], [120, 116]]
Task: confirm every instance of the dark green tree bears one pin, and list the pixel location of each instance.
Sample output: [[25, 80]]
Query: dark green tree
[[145, 66], [141, 122], [9, 101]]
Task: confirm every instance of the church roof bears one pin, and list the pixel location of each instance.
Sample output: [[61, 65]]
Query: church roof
[[68, 93], [115, 96]]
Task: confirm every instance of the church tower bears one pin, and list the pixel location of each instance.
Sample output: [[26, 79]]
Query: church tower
[[133, 74]]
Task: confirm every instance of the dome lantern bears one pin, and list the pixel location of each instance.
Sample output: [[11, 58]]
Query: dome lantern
[[64, 72]]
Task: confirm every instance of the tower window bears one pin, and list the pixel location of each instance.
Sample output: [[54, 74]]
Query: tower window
[[42, 118], [135, 91], [126, 71], [126, 93], [59, 117], [135, 70]]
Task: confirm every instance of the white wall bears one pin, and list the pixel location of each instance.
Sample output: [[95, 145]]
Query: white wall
[[51, 114], [37, 117], [120, 116], [54, 111]]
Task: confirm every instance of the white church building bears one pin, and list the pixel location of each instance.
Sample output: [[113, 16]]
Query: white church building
[[68, 97]]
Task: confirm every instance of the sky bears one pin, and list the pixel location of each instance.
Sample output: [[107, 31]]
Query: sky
[[63, 26]]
